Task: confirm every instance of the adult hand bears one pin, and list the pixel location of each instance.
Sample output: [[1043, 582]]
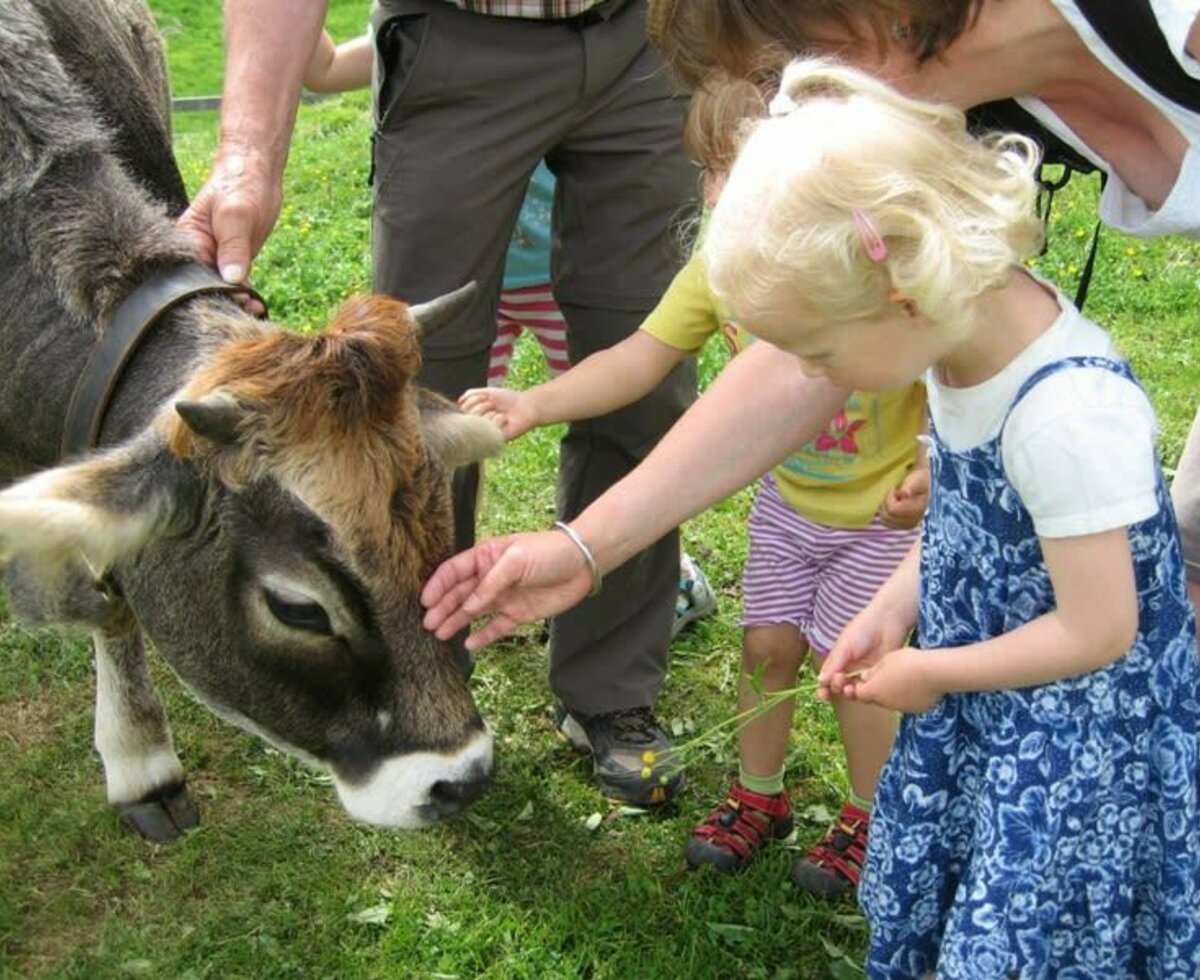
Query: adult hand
[[904, 505], [519, 578], [512, 411], [232, 214]]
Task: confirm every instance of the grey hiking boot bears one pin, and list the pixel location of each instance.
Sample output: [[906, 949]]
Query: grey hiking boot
[[632, 760]]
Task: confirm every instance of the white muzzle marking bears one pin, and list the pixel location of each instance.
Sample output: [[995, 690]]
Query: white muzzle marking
[[397, 794]]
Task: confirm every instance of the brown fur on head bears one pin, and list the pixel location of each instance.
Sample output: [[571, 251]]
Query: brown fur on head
[[345, 383], [333, 417]]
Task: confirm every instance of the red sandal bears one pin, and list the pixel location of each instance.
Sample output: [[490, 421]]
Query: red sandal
[[736, 830], [833, 866]]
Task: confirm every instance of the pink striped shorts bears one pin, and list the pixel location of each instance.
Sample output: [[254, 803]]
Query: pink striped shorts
[[814, 577], [529, 308]]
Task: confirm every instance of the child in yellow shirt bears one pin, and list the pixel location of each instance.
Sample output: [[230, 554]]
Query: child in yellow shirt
[[828, 527]]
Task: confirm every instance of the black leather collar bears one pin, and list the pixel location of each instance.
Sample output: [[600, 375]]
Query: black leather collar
[[130, 323]]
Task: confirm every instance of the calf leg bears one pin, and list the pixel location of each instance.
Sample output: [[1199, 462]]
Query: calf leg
[[143, 774]]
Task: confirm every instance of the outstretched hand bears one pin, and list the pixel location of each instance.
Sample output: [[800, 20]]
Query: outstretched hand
[[516, 579], [509, 410]]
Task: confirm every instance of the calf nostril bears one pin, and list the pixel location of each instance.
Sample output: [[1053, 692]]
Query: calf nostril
[[449, 796]]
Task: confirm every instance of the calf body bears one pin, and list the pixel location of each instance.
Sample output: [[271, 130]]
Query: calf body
[[263, 505]]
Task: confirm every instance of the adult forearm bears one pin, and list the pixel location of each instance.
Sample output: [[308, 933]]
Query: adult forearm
[[761, 408], [268, 44]]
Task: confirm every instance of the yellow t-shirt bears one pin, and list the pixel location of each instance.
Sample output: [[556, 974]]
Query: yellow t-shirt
[[841, 477]]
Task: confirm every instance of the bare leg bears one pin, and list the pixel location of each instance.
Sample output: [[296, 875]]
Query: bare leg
[[774, 654], [867, 735]]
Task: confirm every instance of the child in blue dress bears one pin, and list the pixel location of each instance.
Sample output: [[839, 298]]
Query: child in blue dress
[[1037, 817]]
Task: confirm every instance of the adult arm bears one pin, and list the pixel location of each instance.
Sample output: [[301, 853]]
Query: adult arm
[[760, 408], [269, 43]]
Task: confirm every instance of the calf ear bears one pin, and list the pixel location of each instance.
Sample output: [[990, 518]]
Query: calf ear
[[455, 437], [101, 509]]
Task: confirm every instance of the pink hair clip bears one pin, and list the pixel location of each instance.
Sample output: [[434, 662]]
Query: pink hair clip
[[873, 243]]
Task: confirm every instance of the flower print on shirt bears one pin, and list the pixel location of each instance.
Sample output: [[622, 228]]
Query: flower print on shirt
[[840, 435]]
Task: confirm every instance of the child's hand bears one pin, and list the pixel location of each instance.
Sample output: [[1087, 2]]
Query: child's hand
[[899, 682], [511, 411], [866, 640], [904, 506]]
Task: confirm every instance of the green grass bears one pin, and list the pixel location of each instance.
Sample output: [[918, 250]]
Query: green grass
[[278, 882]]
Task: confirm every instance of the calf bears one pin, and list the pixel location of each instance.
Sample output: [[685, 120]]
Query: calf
[[263, 505]]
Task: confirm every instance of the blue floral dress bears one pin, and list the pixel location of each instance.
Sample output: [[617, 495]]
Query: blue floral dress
[[1050, 832]]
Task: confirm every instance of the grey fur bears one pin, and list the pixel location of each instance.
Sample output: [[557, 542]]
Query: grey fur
[[85, 197]]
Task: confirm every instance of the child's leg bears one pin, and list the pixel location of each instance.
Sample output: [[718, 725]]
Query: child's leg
[[540, 313], [867, 735], [771, 658], [508, 329], [756, 810], [778, 585], [858, 563]]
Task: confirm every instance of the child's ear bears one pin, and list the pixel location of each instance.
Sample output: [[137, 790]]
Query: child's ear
[[905, 302]]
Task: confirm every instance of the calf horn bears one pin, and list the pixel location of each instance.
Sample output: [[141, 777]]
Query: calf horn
[[435, 314]]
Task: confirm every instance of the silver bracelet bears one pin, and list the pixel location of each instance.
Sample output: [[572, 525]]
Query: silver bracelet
[[588, 557]]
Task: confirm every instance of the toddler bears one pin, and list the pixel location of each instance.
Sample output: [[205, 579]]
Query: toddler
[[820, 540], [1038, 814]]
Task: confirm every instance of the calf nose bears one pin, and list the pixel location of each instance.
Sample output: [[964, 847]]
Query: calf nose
[[447, 797]]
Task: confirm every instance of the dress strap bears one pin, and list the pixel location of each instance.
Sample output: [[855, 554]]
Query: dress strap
[[1118, 367]]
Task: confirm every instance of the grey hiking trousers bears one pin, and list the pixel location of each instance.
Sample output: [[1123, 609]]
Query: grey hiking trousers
[[465, 107]]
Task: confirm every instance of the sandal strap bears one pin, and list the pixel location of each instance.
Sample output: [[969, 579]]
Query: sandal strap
[[843, 849], [742, 822], [776, 806]]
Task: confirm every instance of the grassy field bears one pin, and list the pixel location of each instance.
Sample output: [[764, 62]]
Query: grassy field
[[543, 877]]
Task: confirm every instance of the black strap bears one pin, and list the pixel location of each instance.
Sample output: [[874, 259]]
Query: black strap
[[130, 323], [1131, 31], [1008, 116], [1085, 279]]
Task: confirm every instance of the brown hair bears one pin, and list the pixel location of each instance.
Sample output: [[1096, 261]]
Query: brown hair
[[750, 37], [719, 106]]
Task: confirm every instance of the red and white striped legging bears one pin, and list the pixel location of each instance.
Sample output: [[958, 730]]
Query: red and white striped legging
[[528, 308]]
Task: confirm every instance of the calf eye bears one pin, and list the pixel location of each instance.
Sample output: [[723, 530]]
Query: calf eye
[[300, 614]]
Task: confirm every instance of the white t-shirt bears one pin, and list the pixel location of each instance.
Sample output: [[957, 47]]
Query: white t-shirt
[[1120, 207], [1079, 448]]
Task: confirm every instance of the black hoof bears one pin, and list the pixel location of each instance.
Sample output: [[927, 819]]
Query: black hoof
[[163, 816]]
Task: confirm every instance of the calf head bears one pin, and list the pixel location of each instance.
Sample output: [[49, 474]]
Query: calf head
[[271, 531]]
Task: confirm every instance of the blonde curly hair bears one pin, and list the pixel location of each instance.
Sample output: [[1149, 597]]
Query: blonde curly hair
[[954, 212]]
